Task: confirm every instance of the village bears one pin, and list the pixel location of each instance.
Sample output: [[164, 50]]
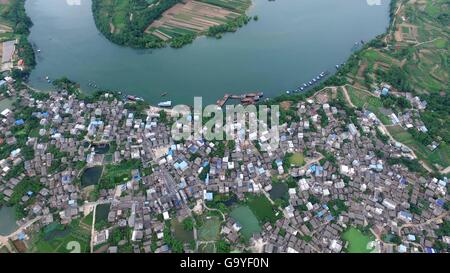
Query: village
[[102, 174]]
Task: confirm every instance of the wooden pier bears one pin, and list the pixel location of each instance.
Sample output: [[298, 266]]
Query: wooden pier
[[246, 99]]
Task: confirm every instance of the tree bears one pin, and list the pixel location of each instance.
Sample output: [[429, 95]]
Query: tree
[[188, 224], [223, 246]]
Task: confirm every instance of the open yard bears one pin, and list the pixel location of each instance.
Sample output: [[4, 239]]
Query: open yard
[[297, 159]]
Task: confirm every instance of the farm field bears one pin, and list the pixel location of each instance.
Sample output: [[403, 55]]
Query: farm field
[[154, 23], [440, 156], [420, 49], [195, 17], [370, 102]]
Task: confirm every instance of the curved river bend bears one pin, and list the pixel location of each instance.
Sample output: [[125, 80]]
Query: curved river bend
[[293, 41]]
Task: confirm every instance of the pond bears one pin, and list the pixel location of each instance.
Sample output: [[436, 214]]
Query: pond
[[248, 221], [7, 220], [357, 241], [180, 233], [101, 213], [91, 176], [209, 231], [279, 191], [101, 148], [292, 42]]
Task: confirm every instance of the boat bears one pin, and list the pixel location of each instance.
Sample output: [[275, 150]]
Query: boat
[[165, 103], [129, 97], [288, 92], [305, 85], [310, 83], [163, 94], [314, 80], [318, 78], [46, 77], [337, 66]]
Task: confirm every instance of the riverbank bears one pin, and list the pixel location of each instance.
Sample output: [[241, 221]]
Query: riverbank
[[15, 26]]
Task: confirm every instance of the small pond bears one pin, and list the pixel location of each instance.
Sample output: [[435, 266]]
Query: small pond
[[91, 176]]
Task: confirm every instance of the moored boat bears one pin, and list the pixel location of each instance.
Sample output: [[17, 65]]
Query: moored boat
[[165, 103]]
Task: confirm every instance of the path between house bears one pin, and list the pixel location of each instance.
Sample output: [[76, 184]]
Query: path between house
[[429, 221], [347, 97]]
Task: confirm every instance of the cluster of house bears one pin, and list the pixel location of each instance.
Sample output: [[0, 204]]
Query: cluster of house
[[344, 182]]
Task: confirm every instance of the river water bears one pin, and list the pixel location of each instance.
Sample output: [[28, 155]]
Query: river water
[[293, 41], [7, 220]]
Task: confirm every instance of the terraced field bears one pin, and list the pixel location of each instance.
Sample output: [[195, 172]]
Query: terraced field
[[196, 17], [413, 58]]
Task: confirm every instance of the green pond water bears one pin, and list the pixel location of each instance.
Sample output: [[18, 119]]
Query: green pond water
[[7, 220], [279, 191], [6, 103], [292, 42], [101, 148], [245, 217], [91, 176], [102, 211], [180, 233]]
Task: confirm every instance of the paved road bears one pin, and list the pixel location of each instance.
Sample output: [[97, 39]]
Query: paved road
[[172, 187]]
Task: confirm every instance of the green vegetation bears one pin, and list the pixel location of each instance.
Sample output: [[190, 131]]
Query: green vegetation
[[223, 246], [56, 238], [336, 207], [440, 156], [113, 20], [231, 26], [129, 22], [114, 175], [357, 241], [172, 242], [188, 224], [296, 159], [364, 99], [15, 21]]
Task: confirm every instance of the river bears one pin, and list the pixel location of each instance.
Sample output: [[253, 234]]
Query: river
[[7, 220], [293, 41]]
